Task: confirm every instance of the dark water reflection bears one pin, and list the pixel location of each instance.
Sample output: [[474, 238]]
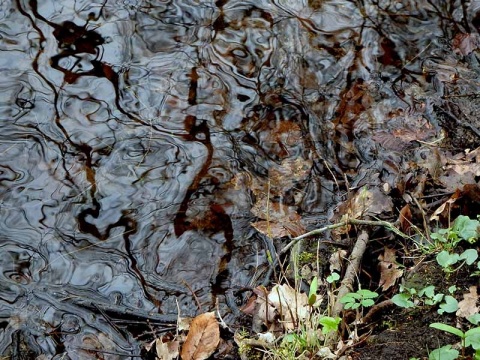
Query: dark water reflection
[[125, 125]]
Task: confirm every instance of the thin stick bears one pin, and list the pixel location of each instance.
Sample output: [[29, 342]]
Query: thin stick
[[385, 224]]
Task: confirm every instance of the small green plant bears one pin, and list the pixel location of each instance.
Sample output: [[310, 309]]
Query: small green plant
[[463, 228], [447, 259], [362, 298], [409, 298], [329, 324], [468, 338], [444, 353], [333, 277]]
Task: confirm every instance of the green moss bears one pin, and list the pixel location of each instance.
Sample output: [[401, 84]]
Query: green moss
[[306, 257]]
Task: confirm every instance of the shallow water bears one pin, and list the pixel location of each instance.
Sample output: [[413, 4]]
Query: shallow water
[[136, 137]]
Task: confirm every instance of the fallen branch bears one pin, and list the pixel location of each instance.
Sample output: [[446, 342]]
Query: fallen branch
[[375, 309], [385, 224], [351, 272]]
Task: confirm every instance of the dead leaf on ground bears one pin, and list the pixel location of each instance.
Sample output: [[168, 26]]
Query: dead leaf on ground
[[390, 271], [468, 306], [459, 170], [290, 304], [405, 219], [444, 209], [167, 350], [430, 159], [457, 175], [336, 260], [202, 339], [264, 313]]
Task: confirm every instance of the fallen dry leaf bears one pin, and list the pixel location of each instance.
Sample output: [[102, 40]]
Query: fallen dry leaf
[[444, 209], [468, 306], [336, 260], [405, 219], [264, 312], [202, 339], [167, 350], [390, 271], [290, 304], [271, 229], [457, 175]]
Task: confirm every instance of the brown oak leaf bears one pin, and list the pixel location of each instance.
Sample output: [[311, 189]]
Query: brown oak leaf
[[390, 271], [202, 339]]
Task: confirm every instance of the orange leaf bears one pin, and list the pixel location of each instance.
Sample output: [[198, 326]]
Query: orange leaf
[[202, 339], [405, 218]]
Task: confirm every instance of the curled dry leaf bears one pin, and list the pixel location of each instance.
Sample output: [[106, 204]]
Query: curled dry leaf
[[390, 271], [167, 350], [336, 260], [264, 313], [405, 219], [290, 304], [468, 306], [202, 339], [444, 209]]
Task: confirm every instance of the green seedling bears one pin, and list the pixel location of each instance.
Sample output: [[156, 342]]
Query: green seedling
[[329, 324], [430, 298], [463, 228], [408, 297], [446, 259], [333, 277], [312, 294], [468, 338], [362, 298], [450, 305], [444, 353]]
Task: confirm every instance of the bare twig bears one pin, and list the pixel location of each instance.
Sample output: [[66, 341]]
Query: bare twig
[[385, 224], [351, 272]]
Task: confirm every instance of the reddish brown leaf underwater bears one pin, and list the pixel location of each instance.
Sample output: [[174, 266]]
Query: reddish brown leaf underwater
[[465, 43], [202, 339]]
